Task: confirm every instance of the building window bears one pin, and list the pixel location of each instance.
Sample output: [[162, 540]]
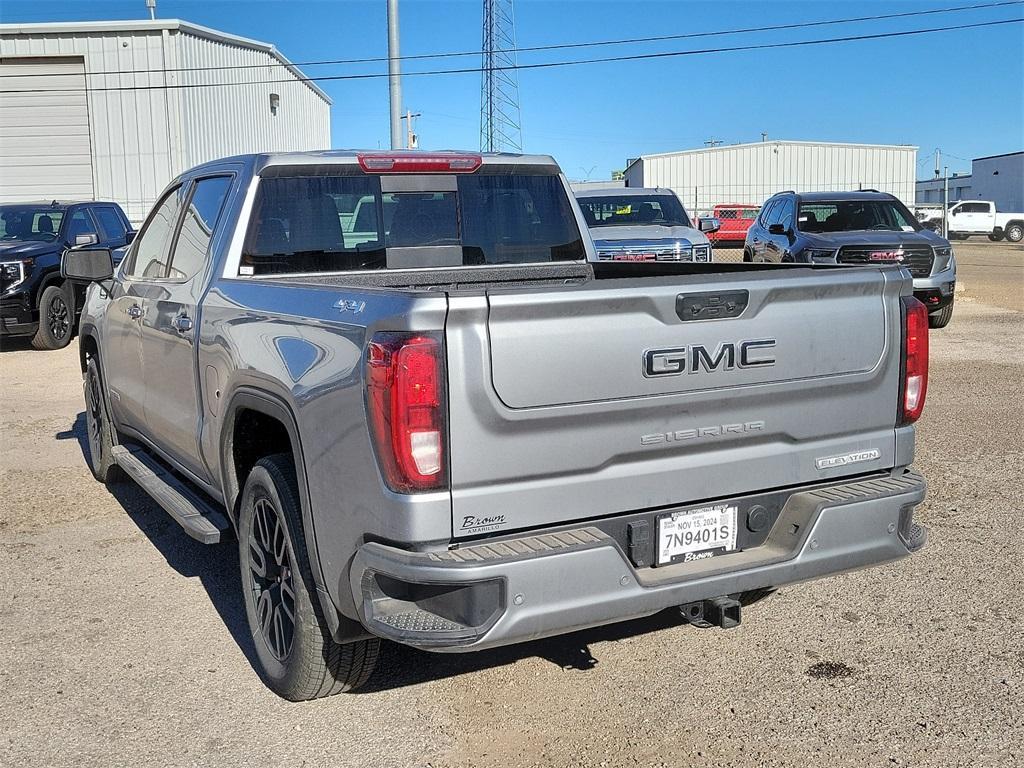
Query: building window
[[275, 102]]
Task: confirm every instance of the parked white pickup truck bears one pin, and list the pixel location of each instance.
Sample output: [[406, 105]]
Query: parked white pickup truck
[[980, 217]]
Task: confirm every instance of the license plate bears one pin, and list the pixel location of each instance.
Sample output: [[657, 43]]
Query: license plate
[[696, 534]]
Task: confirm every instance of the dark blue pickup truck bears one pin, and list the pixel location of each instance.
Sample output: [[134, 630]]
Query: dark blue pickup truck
[[34, 300]]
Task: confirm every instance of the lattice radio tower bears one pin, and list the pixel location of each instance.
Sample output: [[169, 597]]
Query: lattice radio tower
[[500, 128]]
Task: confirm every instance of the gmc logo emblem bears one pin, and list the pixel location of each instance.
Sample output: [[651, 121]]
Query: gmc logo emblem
[[885, 256], [696, 358]]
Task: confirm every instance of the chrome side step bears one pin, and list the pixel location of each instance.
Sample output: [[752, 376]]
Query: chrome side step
[[200, 519]]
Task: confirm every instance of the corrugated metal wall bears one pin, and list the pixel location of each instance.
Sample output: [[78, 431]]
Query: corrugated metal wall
[[141, 139], [751, 173], [235, 119], [128, 129]]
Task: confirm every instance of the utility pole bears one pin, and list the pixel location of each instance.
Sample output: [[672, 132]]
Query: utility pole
[[713, 142], [938, 162], [394, 76], [764, 136], [411, 139], [945, 202]]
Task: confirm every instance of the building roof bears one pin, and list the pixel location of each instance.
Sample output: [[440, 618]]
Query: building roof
[[993, 157], [774, 143], [158, 25]]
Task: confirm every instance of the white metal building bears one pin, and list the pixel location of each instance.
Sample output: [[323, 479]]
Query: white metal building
[[114, 110], [751, 173]]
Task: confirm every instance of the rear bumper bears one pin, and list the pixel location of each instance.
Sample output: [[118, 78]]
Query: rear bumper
[[519, 589]]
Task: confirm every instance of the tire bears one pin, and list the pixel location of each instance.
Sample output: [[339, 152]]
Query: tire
[[995, 238], [941, 318], [747, 257], [56, 319], [1014, 231], [99, 430], [298, 658]]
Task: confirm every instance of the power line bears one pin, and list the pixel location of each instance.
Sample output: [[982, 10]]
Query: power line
[[555, 46], [542, 65]]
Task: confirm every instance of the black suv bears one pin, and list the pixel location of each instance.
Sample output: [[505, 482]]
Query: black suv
[[34, 300], [856, 228]]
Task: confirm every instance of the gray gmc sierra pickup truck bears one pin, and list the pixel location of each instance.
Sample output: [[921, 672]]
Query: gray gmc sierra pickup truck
[[430, 414]]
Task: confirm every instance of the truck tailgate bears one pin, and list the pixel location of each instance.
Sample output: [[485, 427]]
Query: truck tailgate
[[575, 402]]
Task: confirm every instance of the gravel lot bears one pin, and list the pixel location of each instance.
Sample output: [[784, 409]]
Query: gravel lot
[[122, 641]]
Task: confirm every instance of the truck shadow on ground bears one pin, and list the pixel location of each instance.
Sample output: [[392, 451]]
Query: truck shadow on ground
[[217, 568], [16, 344]]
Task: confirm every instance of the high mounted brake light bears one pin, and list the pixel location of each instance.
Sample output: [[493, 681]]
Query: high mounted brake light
[[406, 402], [419, 163], [915, 360]]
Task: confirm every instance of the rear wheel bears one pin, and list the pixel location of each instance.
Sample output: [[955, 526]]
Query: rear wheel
[[1015, 232], [298, 658], [56, 318], [941, 318]]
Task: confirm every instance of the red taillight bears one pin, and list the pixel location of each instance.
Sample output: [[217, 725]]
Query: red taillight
[[915, 359], [405, 396], [419, 162]]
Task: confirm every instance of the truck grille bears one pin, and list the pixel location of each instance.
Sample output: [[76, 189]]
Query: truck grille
[[651, 251], [917, 259]]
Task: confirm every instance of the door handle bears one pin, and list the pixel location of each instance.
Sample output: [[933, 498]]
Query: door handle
[[182, 323], [134, 311]]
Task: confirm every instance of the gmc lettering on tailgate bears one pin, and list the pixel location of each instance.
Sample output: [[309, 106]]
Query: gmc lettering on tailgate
[[696, 358]]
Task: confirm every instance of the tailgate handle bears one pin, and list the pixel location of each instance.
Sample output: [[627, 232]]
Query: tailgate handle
[[711, 306]]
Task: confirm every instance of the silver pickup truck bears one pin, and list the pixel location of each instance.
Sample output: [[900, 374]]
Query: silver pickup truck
[[430, 414]]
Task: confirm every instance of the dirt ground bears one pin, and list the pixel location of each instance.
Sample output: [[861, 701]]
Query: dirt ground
[[123, 642]]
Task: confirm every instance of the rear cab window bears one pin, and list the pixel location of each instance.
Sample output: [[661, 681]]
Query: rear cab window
[[110, 222], [339, 219]]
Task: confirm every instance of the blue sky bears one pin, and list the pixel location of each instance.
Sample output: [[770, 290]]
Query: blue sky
[[961, 91]]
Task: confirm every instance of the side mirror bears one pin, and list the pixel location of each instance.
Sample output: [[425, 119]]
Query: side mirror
[[777, 229], [129, 236], [710, 224], [88, 239], [87, 265]]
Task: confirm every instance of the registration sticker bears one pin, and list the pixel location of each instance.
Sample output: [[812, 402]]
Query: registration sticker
[[696, 534]]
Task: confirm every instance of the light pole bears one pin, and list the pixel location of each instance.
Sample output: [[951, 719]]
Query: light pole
[[945, 201], [394, 76]]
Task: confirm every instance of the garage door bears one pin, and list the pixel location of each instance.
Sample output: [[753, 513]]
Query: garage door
[[44, 134]]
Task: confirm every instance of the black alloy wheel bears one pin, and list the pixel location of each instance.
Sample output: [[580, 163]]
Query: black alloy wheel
[[271, 574], [58, 317]]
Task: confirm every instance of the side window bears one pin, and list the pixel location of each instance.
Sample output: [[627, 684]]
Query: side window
[[784, 216], [152, 245], [79, 223], [768, 211], [197, 226], [110, 223]]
